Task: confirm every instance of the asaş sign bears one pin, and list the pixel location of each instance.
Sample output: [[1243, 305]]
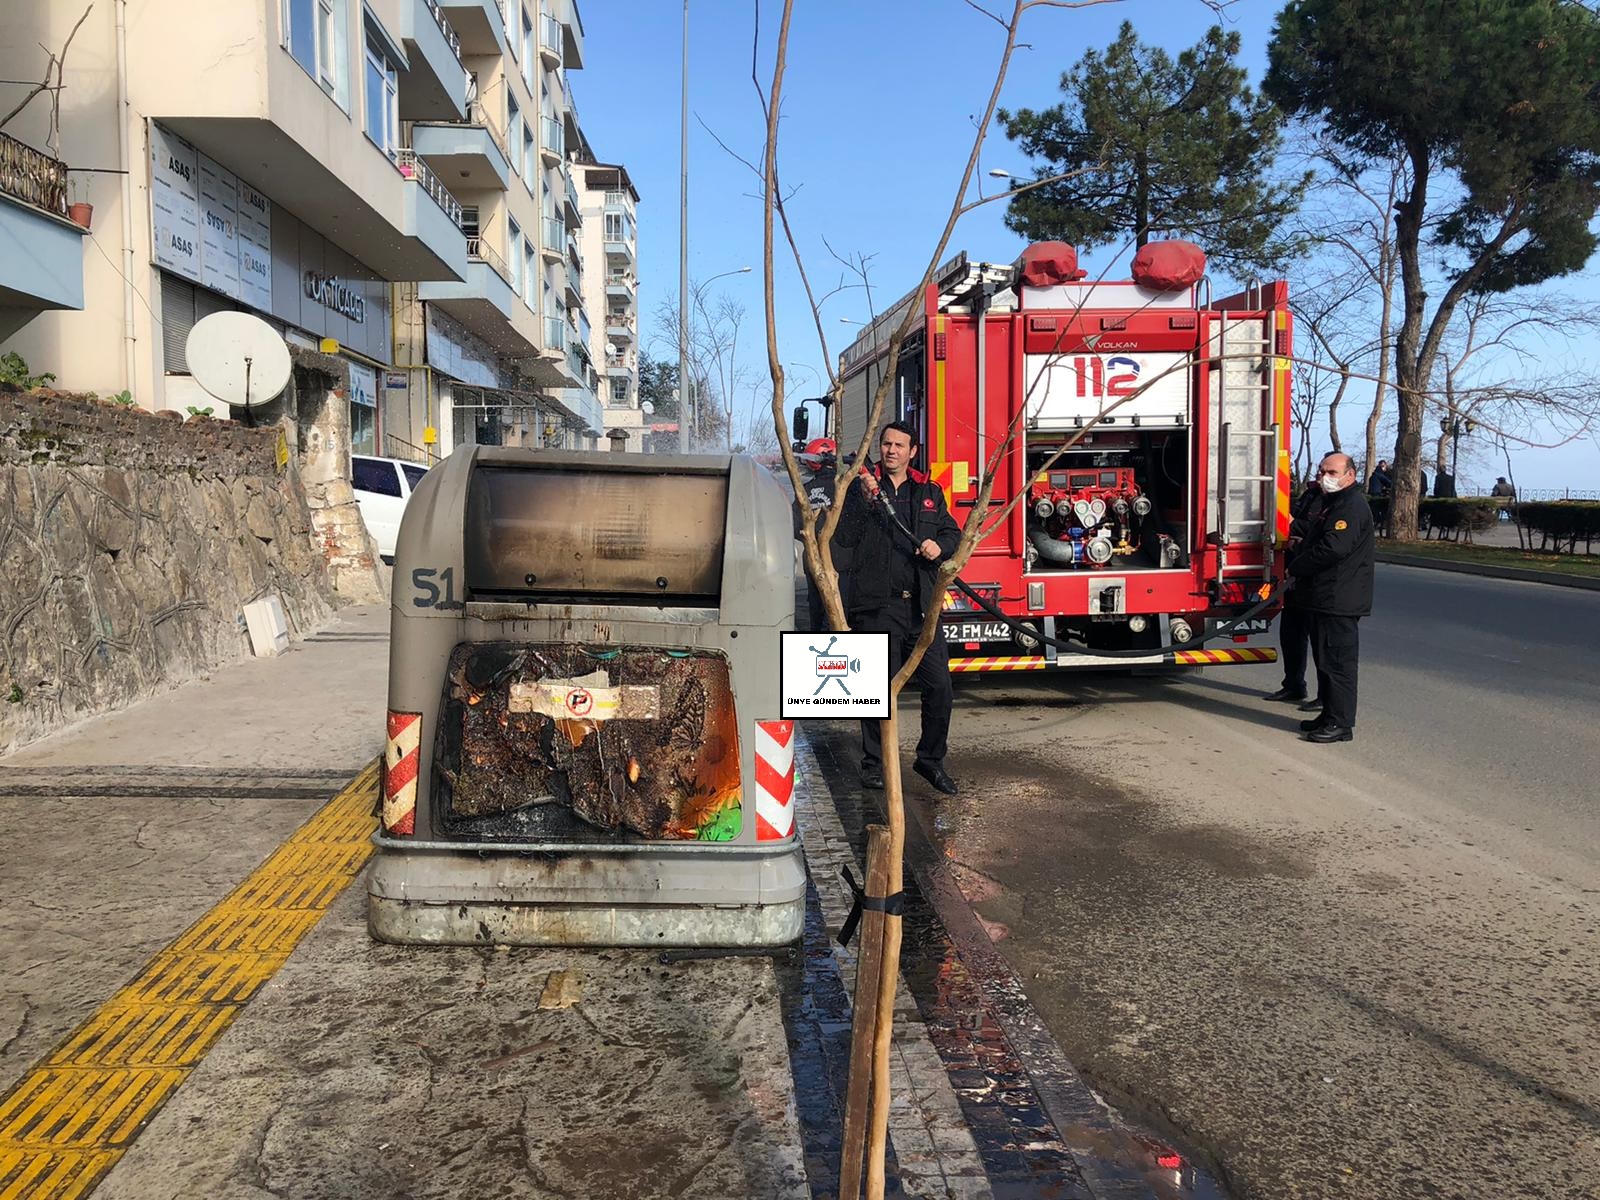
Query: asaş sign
[[332, 292], [207, 225]]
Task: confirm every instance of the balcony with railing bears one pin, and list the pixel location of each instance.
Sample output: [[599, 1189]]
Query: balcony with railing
[[574, 211], [550, 39], [411, 166], [481, 24], [33, 207], [554, 245], [619, 201], [433, 86], [555, 335], [471, 154], [486, 301], [619, 328], [551, 140]]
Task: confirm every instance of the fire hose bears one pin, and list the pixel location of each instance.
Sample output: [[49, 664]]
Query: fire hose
[[1224, 630]]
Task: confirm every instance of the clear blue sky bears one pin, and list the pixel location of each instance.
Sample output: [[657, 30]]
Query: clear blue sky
[[879, 102]]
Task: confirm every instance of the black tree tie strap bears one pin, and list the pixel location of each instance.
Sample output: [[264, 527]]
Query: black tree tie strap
[[893, 906]]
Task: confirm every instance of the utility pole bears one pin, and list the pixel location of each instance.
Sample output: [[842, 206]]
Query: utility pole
[[684, 401]]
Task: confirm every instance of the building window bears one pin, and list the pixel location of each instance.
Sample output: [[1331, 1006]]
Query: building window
[[527, 49], [619, 389], [614, 227], [469, 220], [510, 24], [317, 35], [530, 274], [514, 132], [514, 258], [383, 92]]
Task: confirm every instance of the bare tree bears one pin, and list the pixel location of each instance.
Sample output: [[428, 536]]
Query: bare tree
[[716, 377], [1495, 372], [1346, 291], [51, 85]]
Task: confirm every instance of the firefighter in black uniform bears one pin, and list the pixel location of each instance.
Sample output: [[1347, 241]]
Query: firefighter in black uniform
[[1331, 576], [1294, 623], [893, 582]]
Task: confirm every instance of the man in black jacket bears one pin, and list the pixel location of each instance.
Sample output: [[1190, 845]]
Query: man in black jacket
[[898, 530], [1294, 622], [1332, 581]]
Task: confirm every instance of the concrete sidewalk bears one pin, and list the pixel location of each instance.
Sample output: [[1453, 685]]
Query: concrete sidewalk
[[352, 1069]]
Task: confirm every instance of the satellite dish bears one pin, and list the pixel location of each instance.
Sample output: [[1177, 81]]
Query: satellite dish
[[238, 358]]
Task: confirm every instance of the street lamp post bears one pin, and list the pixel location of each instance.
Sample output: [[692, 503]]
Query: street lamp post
[[683, 245], [1454, 426]]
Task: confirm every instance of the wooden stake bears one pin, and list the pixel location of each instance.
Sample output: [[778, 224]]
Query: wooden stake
[[889, 973], [863, 1022]]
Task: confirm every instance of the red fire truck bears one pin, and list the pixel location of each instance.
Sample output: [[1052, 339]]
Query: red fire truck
[[1164, 523]]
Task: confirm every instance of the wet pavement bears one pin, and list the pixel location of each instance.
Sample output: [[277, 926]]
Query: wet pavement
[[1039, 1129], [1362, 972]]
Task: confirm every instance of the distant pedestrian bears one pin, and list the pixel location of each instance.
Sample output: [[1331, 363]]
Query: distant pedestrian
[[1294, 624], [1332, 573], [1380, 495], [1379, 485], [1505, 492], [1444, 486], [1422, 484]]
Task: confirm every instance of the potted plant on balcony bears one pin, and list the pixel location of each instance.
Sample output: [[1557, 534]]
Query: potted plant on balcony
[[79, 212]]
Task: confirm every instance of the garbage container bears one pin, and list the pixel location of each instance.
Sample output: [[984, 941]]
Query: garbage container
[[582, 672]]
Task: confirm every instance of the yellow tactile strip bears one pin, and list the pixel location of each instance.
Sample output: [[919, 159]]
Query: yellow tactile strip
[[66, 1122]]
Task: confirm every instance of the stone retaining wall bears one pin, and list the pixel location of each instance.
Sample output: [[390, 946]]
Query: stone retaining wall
[[129, 544]]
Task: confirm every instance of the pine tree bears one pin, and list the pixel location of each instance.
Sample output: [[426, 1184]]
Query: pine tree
[[1495, 104], [1162, 148]]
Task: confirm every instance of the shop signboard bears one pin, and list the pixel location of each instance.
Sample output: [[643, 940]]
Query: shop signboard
[[207, 225]]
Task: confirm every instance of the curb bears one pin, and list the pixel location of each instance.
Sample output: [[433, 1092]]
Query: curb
[[1493, 572]]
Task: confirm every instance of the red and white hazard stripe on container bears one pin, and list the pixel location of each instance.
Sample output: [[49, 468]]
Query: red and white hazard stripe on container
[[774, 780], [400, 756]]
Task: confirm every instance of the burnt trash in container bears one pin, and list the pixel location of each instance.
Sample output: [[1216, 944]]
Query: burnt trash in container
[[582, 668]]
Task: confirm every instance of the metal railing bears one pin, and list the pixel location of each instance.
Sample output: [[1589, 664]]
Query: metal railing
[[414, 169], [555, 234], [619, 199], [552, 139], [32, 177], [572, 197], [450, 36], [550, 37], [555, 333], [479, 249]]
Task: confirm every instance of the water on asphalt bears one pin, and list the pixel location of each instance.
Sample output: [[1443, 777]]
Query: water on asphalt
[[1357, 971]]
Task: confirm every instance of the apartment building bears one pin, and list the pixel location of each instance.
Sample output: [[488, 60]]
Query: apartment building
[[382, 181], [236, 157], [611, 288], [500, 356]]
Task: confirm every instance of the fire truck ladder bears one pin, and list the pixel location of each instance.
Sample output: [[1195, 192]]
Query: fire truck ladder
[[1244, 389]]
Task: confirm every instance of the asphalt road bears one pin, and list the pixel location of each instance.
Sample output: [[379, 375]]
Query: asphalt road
[[1368, 970]]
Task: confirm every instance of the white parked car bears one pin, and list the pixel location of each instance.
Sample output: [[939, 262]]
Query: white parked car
[[382, 487]]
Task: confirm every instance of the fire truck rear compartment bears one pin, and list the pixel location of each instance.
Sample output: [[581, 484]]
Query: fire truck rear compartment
[[1115, 503]]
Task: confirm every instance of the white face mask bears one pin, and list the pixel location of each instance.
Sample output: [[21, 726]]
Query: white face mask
[[1331, 484]]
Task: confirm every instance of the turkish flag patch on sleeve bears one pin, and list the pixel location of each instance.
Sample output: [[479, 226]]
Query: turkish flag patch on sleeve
[[927, 504]]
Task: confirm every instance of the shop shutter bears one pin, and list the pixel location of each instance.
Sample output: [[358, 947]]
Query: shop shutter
[[177, 318]]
